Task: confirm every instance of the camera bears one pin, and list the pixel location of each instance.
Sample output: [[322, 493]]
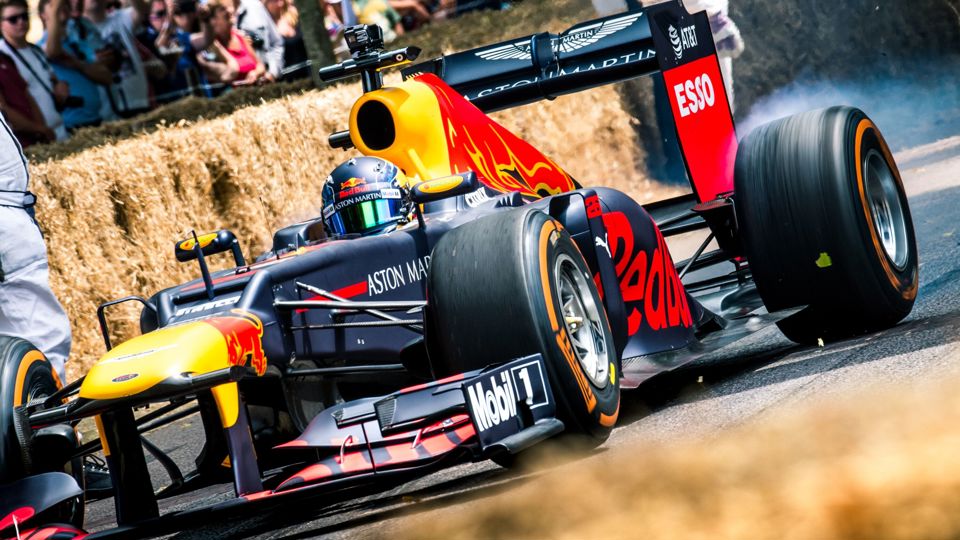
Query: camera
[[256, 40], [72, 102], [363, 39]]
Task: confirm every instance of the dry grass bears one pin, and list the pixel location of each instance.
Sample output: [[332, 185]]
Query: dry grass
[[112, 213], [881, 463], [190, 109]]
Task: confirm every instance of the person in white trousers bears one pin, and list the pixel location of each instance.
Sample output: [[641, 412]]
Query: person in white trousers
[[28, 308]]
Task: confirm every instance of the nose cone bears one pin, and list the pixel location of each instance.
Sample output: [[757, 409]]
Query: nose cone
[[144, 361]]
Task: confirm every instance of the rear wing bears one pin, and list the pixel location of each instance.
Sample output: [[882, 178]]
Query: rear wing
[[660, 38], [543, 66]]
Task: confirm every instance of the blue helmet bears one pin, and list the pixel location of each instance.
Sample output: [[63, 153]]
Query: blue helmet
[[365, 196]]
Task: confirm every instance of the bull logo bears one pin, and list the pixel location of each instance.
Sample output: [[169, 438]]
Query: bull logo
[[353, 182], [243, 334]]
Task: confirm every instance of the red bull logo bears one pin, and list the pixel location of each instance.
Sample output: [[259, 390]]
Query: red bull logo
[[651, 288], [353, 182], [352, 187], [243, 333]]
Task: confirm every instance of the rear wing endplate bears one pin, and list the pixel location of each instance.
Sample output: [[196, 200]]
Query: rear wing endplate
[[698, 98]]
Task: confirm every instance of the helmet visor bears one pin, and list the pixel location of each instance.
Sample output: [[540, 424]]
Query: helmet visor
[[365, 216]]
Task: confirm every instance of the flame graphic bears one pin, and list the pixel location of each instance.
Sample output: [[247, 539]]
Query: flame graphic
[[243, 332], [501, 160]]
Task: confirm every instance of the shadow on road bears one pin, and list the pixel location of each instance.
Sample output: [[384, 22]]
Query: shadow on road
[[333, 517]]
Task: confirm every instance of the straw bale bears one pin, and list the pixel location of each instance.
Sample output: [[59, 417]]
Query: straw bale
[[112, 213], [469, 30]]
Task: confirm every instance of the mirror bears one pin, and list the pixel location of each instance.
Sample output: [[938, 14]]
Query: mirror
[[211, 243], [444, 187]]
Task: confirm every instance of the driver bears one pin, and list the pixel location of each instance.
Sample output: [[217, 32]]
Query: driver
[[366, 195]]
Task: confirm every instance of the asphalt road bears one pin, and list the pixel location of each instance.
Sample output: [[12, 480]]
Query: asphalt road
[[735, 385]]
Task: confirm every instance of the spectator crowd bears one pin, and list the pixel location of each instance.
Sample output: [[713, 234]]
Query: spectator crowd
[[101, 60]]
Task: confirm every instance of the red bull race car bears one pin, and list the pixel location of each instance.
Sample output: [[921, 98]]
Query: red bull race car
[[514, 305]]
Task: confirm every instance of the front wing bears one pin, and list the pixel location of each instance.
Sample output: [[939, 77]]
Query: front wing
[[472, 415], [372, 443]]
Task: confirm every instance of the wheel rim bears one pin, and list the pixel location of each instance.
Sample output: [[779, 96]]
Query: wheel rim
[[883, 198], [35, 393], [581, 317]]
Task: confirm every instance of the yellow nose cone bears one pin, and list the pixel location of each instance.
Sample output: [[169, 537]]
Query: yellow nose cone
[[144, 361]]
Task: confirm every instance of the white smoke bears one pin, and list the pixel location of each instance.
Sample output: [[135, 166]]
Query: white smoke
[[911, 108]]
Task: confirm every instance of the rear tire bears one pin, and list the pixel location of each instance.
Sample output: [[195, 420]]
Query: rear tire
[[25, 376], [825, 224], [514, 284]]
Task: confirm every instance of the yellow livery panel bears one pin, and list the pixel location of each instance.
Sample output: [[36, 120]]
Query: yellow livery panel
[[192, 348]]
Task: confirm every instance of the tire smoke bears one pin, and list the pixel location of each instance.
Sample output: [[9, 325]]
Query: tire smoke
[[917, 105]]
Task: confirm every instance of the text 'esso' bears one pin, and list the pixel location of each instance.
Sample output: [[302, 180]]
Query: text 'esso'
[[694, 95]]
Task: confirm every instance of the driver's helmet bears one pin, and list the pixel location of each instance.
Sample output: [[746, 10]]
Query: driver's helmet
[[365, 196]]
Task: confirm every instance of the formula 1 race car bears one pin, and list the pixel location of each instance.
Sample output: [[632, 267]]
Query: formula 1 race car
[[513, 307]]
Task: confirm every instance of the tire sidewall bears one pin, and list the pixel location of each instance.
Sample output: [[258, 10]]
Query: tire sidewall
[[801, 194], [862, 136], [592, 409], [24, 373], [490, 298], [863, 290]]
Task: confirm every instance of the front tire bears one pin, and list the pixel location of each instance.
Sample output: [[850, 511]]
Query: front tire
[[514, 284], [825, 223], [26, 375]]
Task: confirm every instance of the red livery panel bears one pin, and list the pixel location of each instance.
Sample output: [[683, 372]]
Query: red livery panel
[[501, 160], [649, 283], [699, 103]]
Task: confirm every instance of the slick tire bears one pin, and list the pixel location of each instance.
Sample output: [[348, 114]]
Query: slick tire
[[514, 284], [25, 376], [825, 224]]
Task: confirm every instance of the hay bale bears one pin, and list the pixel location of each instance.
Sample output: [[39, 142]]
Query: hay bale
[[464, 32]]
